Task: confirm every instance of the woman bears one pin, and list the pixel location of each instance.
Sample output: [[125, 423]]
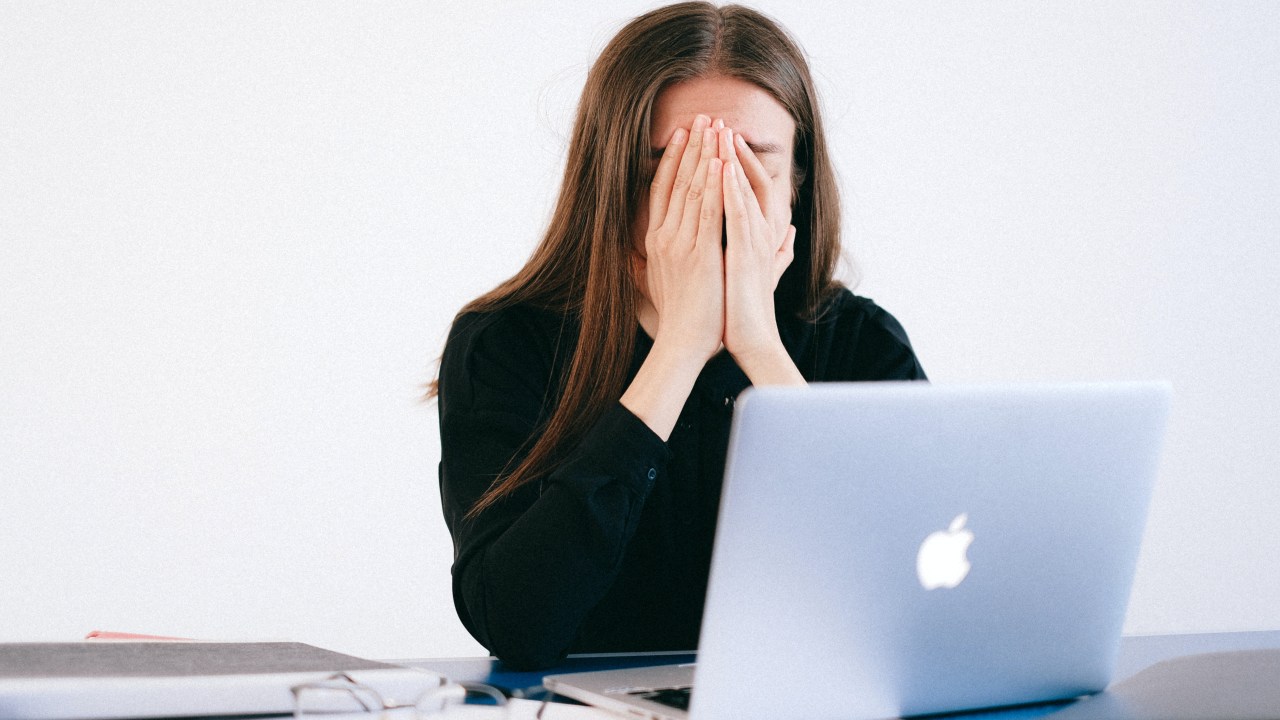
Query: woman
[[585, 403]]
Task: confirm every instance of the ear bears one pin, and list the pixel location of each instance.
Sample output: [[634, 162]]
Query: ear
[[799, 171], [798, 176], [638, 264]]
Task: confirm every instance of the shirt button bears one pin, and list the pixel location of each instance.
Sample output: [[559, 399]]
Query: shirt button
[[653, 473]]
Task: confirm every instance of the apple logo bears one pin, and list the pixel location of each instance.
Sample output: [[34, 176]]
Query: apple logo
[[941, 562]]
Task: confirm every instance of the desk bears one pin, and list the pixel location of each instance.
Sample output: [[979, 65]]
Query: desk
[[1137, 652]]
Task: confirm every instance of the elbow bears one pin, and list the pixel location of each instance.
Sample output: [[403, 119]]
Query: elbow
[[526, 641], [520, 639], [527, 657], [522, 644]]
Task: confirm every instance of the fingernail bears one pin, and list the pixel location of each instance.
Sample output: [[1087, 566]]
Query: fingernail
[[679, 136], [700, 122], [719, 123]]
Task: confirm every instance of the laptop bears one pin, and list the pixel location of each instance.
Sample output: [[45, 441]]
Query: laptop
[[898, 549]]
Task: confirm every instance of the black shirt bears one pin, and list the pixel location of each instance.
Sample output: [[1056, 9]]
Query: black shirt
[[611, 551]]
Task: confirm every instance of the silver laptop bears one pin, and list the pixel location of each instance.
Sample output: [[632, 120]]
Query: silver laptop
[[893, 549]]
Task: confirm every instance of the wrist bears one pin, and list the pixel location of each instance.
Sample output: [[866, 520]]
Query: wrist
[[677, 359], [769, 365]]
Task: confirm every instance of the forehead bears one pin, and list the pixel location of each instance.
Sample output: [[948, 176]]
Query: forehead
[[745, 107]]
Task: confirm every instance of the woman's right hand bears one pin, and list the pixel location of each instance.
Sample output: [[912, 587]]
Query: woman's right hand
[[683, 264]]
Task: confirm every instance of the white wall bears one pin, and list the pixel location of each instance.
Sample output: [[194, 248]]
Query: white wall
[[232, 237]]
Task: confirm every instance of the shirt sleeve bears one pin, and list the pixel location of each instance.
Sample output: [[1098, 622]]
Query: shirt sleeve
[[529, 570]]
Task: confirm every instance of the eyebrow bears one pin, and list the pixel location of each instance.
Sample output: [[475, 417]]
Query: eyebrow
[[757, 148], [764, 148]]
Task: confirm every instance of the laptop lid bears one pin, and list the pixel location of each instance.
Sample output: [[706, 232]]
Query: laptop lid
[[895, 549]]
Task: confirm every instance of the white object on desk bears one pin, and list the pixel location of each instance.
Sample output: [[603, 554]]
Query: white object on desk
[[101, 681]]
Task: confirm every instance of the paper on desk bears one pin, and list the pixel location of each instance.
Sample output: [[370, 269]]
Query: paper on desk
[[515, 709]]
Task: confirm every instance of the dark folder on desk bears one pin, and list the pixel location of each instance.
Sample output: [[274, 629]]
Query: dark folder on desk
[[91, 680]]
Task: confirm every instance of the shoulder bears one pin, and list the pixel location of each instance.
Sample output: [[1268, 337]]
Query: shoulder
[[862, 316], [518, 324], [515, 349], [859, 340]]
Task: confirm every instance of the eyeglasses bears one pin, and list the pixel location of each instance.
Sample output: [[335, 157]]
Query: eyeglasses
[[341, 693]]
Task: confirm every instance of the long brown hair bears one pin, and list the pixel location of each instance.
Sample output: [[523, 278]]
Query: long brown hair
[[582, 266]]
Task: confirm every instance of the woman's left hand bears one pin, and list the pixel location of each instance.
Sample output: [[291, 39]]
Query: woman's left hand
[[760, 243]]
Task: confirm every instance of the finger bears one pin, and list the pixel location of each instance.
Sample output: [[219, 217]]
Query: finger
[[692, 199], [711, 218], [757, 175], [685, 172], [775, 212], [724, 139], [750, 195], [737, 221], [665, 174]]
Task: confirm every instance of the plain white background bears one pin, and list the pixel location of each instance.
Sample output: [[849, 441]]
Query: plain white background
[[233, 235]]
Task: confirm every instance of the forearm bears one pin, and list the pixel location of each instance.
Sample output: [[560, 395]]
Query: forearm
[[662, 386], [531, 568], [528, 593]]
